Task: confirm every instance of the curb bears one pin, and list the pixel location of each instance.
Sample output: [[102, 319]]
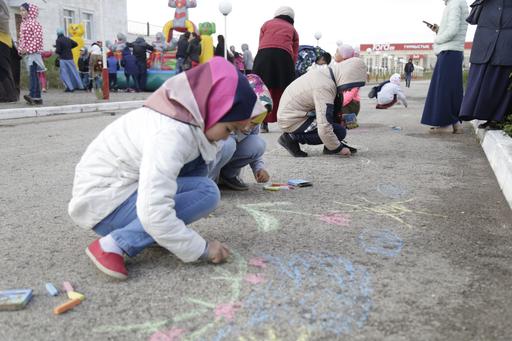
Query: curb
[[498, 149], [7, 114]]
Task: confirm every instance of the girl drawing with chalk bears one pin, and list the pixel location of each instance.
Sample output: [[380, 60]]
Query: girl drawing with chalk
[[144, 178]]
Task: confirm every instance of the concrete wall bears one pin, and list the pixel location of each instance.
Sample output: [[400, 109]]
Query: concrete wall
[[51, 16]]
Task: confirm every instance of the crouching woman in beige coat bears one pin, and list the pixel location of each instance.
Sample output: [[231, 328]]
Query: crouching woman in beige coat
[[306, 112]]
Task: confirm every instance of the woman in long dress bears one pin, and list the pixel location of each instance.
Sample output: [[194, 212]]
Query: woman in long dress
[[276, 57]]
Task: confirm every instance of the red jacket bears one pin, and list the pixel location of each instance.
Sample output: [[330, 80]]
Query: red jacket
[[278, 33]]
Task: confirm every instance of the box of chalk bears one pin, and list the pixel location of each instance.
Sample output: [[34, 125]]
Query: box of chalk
[[15, 299]]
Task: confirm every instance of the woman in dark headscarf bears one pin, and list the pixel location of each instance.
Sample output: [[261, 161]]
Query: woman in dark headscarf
[[276, 57], [487, 96], [9, 90]]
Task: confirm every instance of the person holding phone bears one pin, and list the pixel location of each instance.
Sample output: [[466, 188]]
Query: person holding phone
[[445, 93]]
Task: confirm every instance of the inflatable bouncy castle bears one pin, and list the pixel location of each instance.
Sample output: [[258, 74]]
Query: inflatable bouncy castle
[[180, 22]]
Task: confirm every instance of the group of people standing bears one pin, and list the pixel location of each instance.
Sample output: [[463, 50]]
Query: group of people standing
[[488, 96]]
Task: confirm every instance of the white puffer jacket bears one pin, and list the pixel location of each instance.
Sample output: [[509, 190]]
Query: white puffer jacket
[[142, 151], [452, 30]]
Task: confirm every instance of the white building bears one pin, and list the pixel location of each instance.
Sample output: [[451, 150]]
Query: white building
[[55, 14]]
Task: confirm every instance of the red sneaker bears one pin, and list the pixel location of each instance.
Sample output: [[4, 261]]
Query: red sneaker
[[109, 263]]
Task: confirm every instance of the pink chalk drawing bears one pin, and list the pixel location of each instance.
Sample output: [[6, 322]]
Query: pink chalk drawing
[[336, 219], [171, 335], [255, 279], [257, 262], [227, 311]]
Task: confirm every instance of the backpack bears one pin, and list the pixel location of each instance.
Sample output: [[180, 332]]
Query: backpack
[[307, 57], [376, 89]]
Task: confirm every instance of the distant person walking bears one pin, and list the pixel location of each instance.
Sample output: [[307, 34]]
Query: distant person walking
[[408, 70], [445, 93], [9, 90], [68, 71], [487, 95], [276, 57], [30, 47], [248, 59]]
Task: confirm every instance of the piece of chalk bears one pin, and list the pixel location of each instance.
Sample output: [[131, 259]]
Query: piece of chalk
[[67, 287], [52, 290], [73, 294], [66, 306], [272, 188]]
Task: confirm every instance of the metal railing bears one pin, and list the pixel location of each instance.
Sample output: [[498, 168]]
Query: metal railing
[[143, 28]]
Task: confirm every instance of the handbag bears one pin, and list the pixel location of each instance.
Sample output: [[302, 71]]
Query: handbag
[[476, 9]]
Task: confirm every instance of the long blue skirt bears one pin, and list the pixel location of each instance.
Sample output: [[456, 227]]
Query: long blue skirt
[[445, 92], [487, 96], [69, 75]]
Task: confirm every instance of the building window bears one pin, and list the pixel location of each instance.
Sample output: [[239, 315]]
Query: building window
[[87, 20], [69, 18]]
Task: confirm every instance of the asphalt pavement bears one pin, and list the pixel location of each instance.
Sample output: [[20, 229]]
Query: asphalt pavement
[[411, 239]]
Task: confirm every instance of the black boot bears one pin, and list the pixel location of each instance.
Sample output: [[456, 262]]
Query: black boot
[[264, 127], [291, 146]]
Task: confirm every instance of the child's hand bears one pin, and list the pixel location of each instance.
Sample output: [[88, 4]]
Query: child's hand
[[435, 28], [262, 176], [217, 252]]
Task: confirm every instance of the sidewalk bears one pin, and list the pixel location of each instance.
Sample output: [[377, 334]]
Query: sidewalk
[[60, 102]]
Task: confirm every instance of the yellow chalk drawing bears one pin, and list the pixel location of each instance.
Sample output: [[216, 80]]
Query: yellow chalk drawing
[[272, 336], [394, 210], [234, 279], [265, 221]]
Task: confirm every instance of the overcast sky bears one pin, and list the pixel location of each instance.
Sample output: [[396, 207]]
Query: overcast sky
[[354, 22]]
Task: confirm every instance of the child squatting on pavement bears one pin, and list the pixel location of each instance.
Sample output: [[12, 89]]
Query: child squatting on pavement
[[145, 176]]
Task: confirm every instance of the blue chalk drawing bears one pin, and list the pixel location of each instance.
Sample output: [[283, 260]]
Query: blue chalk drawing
[[384, 243], [325, 294], [393, 191]]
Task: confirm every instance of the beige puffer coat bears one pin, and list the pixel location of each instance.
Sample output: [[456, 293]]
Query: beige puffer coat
[[316, 91]]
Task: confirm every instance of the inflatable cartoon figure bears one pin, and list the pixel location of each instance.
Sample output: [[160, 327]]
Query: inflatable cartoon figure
[[77, 31], [206, 29], [180, 22], [159, 45]]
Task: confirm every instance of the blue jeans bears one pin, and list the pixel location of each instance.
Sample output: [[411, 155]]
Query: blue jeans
[[35, 88], [249, 151], [196, 197], [311, 137], [179, 64], [223, 156], [84, 76]]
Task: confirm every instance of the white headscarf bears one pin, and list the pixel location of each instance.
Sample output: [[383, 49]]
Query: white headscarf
[[346, 51], [395, 79], [285, 10]]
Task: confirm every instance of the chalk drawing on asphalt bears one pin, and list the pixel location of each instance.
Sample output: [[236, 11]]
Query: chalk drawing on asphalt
[[393, 210], [381, 242]]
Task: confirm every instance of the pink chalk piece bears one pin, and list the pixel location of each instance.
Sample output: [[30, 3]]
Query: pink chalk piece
[[257, 262], [67, 287], [171, 335], [255, 279], [227, 311], [336, 219]]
